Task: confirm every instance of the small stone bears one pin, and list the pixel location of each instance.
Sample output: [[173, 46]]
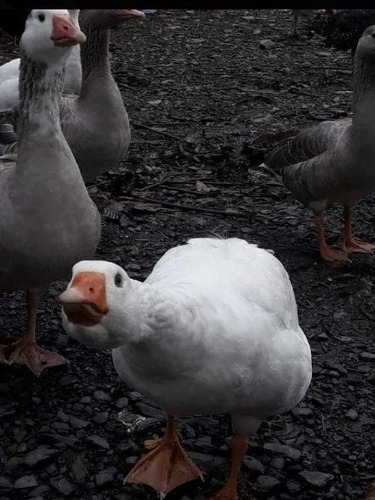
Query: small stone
[[293, 486], [101, 418], [122, 402], [60, 426], [98, 441], [102, 396], [302, 412], [85, 400], [267, 483], [5, 484], [316, 479], [67, 380], [25, 482], [266, 44], [254, 465], [283, 449], [63, 486], [207, 461], [77, 423], [278, 463], [39, 455], [351, 414], [62, 416], [150, 411], [40, 490], [368, 355], [105, 476]]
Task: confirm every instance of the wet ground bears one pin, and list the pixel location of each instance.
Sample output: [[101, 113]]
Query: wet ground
[[207, 97]]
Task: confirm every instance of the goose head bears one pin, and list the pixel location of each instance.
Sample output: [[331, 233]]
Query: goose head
[[94, 305], [49, 34], [109, 18], [366, 45]]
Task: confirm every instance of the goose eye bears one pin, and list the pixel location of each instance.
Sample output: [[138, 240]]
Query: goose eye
[[118, 280], [41, 17]]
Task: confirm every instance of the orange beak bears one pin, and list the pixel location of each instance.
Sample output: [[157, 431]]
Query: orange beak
[[65, 33], [130, 13], [84, 302]]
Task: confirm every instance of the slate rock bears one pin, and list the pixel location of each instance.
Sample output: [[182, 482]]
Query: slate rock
[[283, 449], [26, 482], [39, 456], [207, 461], [78, 423], [302, 412], [98, 441], [267, 483], [351, 414], [122, 402], [266, 44], [101, 418], [278, 463], [254, 465], [105, 476], [63, 486], [5, 484], [368, 355], [150, 411], [316, 479], [102, 396]]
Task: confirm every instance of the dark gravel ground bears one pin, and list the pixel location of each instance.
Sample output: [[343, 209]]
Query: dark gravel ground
[[206, 102]]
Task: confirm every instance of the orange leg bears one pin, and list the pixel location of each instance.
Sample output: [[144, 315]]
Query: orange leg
[[347, 242], [26, 351], [166, 466], [326, 252], [239, 446], [370, 492]]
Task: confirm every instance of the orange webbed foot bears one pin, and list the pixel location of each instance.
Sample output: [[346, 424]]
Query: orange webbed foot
[[333, 255], [35, 357], [357, 246], [166, 466], [225, 494]]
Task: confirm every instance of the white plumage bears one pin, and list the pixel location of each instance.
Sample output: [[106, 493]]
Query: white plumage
[[213, 329]]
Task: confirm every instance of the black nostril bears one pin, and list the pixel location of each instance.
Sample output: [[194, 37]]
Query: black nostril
[[91, 289]]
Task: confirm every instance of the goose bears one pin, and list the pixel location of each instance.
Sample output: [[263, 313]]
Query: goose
[[48, 220], [95, 123], [333, 160], [213, 329], [9, 75]]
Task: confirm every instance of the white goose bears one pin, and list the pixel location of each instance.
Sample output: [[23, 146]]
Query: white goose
[[48, 221], [213, 329], [334, 160]]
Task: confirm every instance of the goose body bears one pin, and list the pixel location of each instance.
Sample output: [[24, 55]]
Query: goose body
[[334, 161], [48, 219], [213, 329]]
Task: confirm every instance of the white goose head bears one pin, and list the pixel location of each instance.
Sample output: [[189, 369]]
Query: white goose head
[[94, 304], [49, 34]]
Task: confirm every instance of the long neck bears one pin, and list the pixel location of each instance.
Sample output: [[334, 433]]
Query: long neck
[[95, 53], [39, 90], [363, 93]]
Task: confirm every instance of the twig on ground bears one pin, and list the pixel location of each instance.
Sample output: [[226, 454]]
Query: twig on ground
[[178, 206], [166, 134]]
